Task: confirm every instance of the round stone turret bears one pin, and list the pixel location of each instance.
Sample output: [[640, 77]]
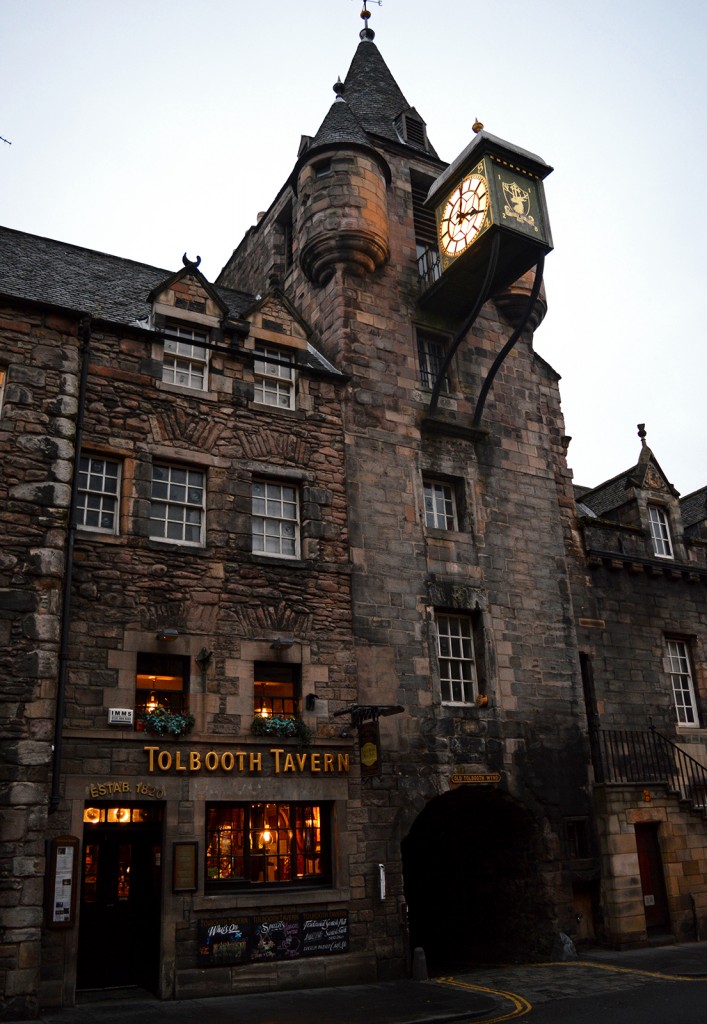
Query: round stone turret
[[342, 208]]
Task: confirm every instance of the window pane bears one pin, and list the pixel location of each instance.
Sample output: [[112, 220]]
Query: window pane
[[431, 351], [97, 504], [660, 532], [275, 528], [185, 357], [177, 508], [265, 843], [274, 377], [681, 682], [456, 658]]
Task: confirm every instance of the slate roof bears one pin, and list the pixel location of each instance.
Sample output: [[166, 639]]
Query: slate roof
[[373, 98], [694, 507], [340, 126], [106, 287], [609, 495]]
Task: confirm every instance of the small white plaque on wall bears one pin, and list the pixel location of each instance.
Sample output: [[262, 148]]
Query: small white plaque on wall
[[120, 716]]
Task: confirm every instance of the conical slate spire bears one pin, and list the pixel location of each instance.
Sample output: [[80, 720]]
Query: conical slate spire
[[372, 92], [340, 125]]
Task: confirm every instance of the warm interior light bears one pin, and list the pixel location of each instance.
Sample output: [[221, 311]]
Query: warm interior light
[[264, 713], [92, 815], [152, 702], [266, 837], [123, 814]]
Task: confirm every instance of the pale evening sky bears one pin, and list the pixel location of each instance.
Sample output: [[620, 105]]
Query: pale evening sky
[[145, 128]]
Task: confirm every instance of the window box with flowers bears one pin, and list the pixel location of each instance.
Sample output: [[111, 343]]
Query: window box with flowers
[[293, 728], [160, 721]]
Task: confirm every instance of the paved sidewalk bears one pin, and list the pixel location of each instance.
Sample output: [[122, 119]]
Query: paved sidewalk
[[396, 1002], [471, 996]]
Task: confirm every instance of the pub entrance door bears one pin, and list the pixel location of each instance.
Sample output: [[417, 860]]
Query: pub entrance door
[[119, 925]]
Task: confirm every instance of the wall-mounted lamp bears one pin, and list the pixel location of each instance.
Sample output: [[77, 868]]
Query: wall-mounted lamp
[[310, 701], [167, 634], [203, 658], [152, 702], [281, 645]]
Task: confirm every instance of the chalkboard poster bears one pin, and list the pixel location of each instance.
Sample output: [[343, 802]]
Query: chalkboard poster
[[223, 941], [325, 933], [276, 938], [239, 940]]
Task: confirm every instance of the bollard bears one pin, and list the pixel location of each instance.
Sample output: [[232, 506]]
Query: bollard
[[419, 964]]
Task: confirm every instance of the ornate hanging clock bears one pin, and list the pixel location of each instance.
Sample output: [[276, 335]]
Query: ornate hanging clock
[[492, 188]]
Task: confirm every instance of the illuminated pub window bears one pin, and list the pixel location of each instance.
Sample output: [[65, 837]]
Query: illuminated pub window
[[267, 844], [275, 690], [161, 680]]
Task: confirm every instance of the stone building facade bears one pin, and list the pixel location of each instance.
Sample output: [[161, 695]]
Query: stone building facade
[[231, 510], [639, 601]]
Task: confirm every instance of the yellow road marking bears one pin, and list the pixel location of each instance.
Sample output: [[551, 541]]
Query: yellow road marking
[[521, 1006], [619, 970]]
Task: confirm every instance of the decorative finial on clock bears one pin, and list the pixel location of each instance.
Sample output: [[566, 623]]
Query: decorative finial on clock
[[191, 263], [642, 434], [477, 126], [368, 33]]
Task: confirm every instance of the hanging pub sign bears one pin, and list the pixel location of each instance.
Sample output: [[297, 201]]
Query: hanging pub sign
[[369, 748], [364, 718]]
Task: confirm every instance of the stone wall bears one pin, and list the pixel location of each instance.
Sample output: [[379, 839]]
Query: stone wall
[[41, 355]]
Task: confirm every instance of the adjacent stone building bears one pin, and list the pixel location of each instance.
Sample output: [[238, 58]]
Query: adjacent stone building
[[304, 657], [641, 614]]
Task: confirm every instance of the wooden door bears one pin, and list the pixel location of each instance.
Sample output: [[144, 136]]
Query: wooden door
[[650, 864], [119, 925]]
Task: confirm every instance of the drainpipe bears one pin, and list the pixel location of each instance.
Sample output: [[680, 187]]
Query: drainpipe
[[84, 332]]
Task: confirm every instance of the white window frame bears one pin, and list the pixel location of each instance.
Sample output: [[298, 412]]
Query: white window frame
[[455, 658], [98, 495], [275, 526], [440, 503], [659, 522], [432, 350], [185, 357], [683, 688], [179, 498], [274, 381]]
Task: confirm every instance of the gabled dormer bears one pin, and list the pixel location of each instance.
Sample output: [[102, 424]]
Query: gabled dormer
[[280, 341], [411, 129], [657, 502], [644, 503], [188, 314]]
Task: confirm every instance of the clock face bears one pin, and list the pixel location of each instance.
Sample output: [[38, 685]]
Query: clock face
[[463, 215]]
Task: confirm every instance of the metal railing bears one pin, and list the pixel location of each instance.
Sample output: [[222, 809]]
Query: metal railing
[[429, 268], [622, 755]]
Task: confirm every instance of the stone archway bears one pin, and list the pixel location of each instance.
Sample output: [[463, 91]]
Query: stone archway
[[473, 885]]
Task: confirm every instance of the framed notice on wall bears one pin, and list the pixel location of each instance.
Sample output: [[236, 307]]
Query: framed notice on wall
[[62, 881], [184, 861]]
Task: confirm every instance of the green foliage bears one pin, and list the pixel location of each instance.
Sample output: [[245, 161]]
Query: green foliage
[[161, 722], [282, 727]]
